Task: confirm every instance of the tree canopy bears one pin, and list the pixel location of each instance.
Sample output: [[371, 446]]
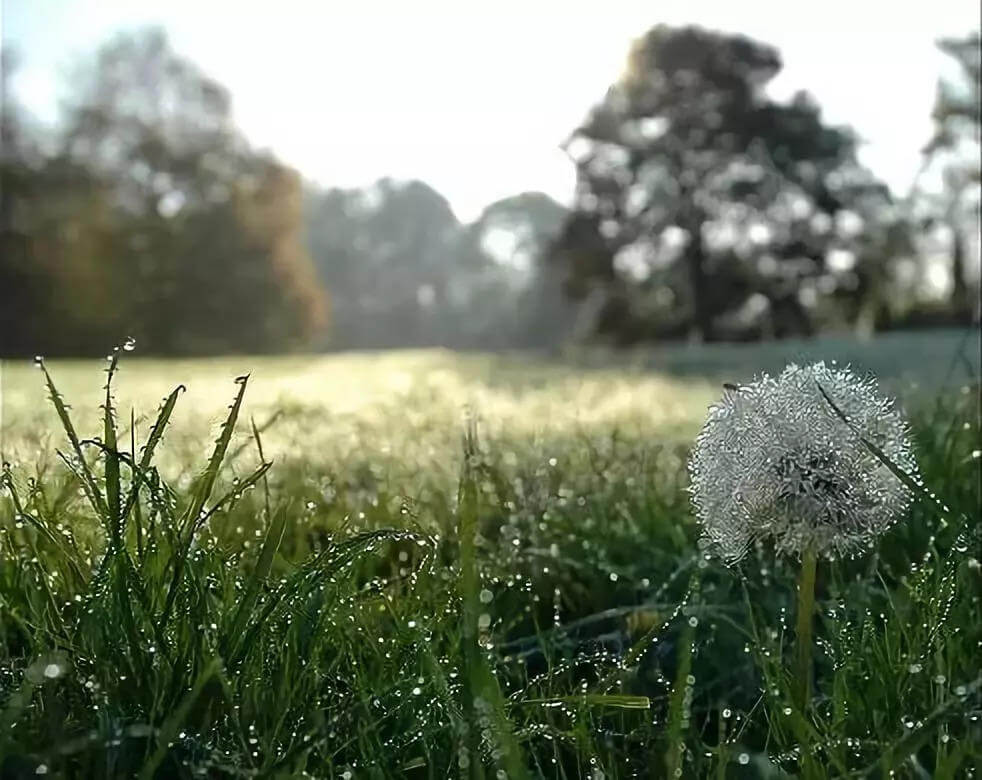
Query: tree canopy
[[705, 208], [403, 271], [954, 152], [153, 205]]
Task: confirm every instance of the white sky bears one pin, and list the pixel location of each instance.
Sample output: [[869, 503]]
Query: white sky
[[475, 97]]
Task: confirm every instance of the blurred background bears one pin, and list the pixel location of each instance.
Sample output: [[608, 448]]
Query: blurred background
[[215, 178]]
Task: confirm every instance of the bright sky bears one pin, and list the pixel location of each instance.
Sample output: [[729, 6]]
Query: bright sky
[[475, 97]]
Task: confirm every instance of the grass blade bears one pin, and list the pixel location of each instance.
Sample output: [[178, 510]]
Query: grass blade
[[681, 691], [616, 700], [244, 484], [274, 535], [82, 469], [156, 434], [112, 477], [480, 685], [913, 485], [168, 732], [262, 459], [201, 493], [206, 482]]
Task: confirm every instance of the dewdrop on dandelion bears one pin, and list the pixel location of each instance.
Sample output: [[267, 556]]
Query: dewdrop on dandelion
[[774, 460]]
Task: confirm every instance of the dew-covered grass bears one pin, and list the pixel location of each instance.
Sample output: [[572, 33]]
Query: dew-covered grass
[[468, 565]]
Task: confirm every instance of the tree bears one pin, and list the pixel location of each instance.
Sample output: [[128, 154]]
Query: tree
[[520, 297], [404, 272], [705, 208], [954, 150], [258, 282], [57, 292], [159, 221], [389, 255]]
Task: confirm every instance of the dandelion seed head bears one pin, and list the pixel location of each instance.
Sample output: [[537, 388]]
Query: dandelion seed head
[[774, 460]]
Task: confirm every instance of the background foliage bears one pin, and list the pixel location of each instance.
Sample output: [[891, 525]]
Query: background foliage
[[704, 209]]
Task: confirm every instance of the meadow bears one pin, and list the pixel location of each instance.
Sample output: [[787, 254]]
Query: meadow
[[410, 564]]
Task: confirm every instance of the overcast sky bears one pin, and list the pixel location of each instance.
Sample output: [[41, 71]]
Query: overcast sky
[[475, 98]]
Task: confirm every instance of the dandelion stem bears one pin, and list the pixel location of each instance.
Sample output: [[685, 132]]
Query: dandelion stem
[[803, 646]]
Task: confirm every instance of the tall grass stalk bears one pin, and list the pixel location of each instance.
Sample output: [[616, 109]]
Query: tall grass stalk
[[803, 632]]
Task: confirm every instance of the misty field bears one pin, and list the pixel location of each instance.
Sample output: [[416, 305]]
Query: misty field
[[484, 565]]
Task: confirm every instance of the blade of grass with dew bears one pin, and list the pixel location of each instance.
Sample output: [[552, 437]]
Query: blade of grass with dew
[[201, 492], [274, 536], [168, 731], [52, 612], [112, 471], [262, 459], [270, 421], [155, 437], [639, 648], [206, 482], [805, 619], [312, 574], [121, 568], [245, 484], [82, 470], [467, 530], [479, 682], [681, 690], [614, 700], [915, 487], [68, 556], [898, 752], [119, 561], [137, 514]]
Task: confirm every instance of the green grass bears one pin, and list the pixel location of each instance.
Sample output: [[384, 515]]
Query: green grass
[[456, 564]]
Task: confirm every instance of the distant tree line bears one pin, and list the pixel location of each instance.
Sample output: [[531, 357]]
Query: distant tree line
[[404, 271], [703, 210]]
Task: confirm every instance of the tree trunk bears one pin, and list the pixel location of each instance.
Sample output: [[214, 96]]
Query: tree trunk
[[701, 329], [959, 290]]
